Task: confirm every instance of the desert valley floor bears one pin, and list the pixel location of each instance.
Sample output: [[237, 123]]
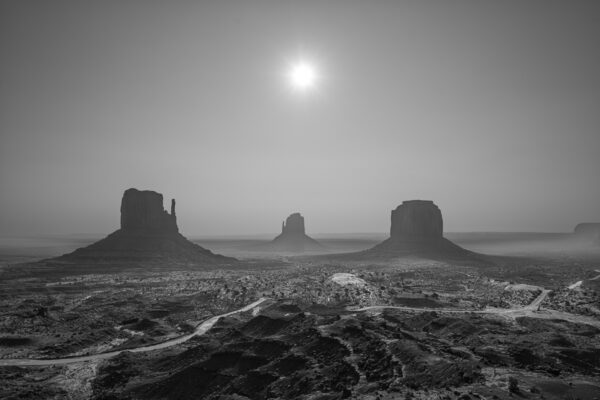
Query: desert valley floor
[[521, 324]]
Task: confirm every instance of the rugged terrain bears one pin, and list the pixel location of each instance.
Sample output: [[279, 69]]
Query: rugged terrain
[[415, 316], [400, 328]]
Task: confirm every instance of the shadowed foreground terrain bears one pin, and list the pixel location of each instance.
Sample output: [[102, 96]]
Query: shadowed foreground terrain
[[321, 352], [401, 328]]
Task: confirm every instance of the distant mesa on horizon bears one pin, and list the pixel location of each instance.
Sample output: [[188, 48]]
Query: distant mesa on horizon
[[292, 239], [148, 232], [417, 220], [416, 230], [589, 231], [417, 227], [142, 211], [294, 224], [293, 236]]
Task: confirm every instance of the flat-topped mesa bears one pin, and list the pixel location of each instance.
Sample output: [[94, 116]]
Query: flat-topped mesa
[[417, 229], [143, 211], [293, 224], [417, 220], [589, 231], [293, 237], [148, 234]]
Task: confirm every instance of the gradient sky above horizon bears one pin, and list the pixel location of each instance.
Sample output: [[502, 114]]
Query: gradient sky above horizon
[[489, 108]]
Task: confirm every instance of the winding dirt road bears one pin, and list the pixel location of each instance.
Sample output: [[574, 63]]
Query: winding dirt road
[[201, 329], [531, 310], [578, 283], [533, 306]]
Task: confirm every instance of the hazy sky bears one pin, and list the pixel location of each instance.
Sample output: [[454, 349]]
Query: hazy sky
[[489, 108]]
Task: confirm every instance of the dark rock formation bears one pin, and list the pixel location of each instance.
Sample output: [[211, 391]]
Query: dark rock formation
[[294, 224], [417, 220], [293, 237], [286, 354], [142, 211], [417, 228], [589, 232], [148, 233]]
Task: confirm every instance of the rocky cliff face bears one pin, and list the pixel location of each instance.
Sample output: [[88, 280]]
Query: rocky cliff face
[[294, 224], [142, 210], [417, 220]]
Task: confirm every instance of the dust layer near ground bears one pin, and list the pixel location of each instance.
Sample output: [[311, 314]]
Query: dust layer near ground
[[437, 333]]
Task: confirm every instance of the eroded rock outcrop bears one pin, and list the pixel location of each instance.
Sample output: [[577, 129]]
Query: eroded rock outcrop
[[417, 228], [294, 224], [148, 233], [142, 210], [293, 237], [417, 220]]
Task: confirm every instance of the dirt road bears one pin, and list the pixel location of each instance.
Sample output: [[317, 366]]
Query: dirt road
[[201, 329], [531, 310], [531, 306]]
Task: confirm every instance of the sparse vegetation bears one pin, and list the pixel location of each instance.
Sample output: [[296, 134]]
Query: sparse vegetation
[[513, 385]]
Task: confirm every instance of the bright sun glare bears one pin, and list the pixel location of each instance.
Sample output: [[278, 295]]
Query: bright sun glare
[[302, 76]]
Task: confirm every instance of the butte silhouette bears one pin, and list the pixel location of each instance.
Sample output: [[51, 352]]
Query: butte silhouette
[[148, 233], [588, 232], [292, 239], [418, 228]]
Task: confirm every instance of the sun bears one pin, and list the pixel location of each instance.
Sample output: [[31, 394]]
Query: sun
[[302, 76]]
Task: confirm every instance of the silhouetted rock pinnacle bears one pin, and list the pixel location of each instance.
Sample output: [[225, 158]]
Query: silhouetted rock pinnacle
[[148, 232]]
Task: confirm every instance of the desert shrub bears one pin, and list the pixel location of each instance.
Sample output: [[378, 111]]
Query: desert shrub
[[513, 385]]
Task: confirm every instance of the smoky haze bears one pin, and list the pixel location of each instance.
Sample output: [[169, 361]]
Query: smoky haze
[[489, 108]]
